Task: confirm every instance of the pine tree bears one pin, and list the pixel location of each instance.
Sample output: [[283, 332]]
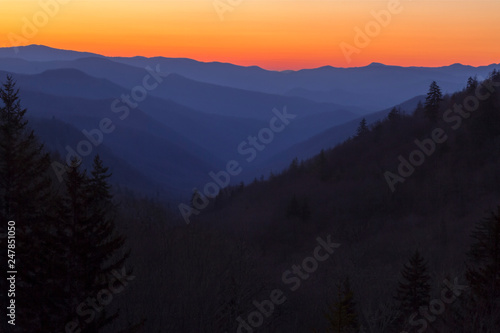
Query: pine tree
[[419, 110], [24, 182], [394, 115], [362, 128], [483, 271], [494, 75], [472, 84], [103, 214], [93, 248], [432, 101], [342, 316], [414, 288], [25, 194], [66, 243], [77, 274]]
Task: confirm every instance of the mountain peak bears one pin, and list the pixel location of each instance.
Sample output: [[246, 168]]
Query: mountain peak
[[376, 64], [36, 52]]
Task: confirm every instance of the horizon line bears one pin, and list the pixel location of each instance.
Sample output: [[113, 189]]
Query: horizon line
[[373, 63]]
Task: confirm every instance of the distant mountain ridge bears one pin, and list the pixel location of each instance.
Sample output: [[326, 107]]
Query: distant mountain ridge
[[394, 84], [193, 121], [42, 53]]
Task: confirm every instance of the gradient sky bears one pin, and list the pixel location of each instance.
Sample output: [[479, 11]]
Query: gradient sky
[[273, 34]]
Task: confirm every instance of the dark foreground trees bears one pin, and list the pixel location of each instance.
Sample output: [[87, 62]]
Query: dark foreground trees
[[24, 199], [67, 250], [95, 251], [483, 274], [413, 291], [342, 315]]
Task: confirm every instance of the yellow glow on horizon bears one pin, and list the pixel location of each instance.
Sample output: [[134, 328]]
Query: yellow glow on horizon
[[274, 34]]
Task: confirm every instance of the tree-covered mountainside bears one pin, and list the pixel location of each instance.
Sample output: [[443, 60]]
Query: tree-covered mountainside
[[396, 229], [419, 180]]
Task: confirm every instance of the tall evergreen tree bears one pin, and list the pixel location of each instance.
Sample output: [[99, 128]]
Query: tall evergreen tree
[[24, 198], [24, 182], [94, 249], [483, 271], [394, 114], [66, 242], [494, 75], [414, 288], [472, 84], [419, 110], [432, 101], [103, 214], [72, 214], [362, 128], [342, 316]]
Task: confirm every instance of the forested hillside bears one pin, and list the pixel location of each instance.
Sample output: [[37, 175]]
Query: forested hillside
[[396, 229], [421, 180]]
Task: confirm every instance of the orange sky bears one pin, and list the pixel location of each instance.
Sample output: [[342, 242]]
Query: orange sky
[[274, 34]]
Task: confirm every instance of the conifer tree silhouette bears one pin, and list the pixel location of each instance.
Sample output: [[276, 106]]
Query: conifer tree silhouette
[[432, 101]]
